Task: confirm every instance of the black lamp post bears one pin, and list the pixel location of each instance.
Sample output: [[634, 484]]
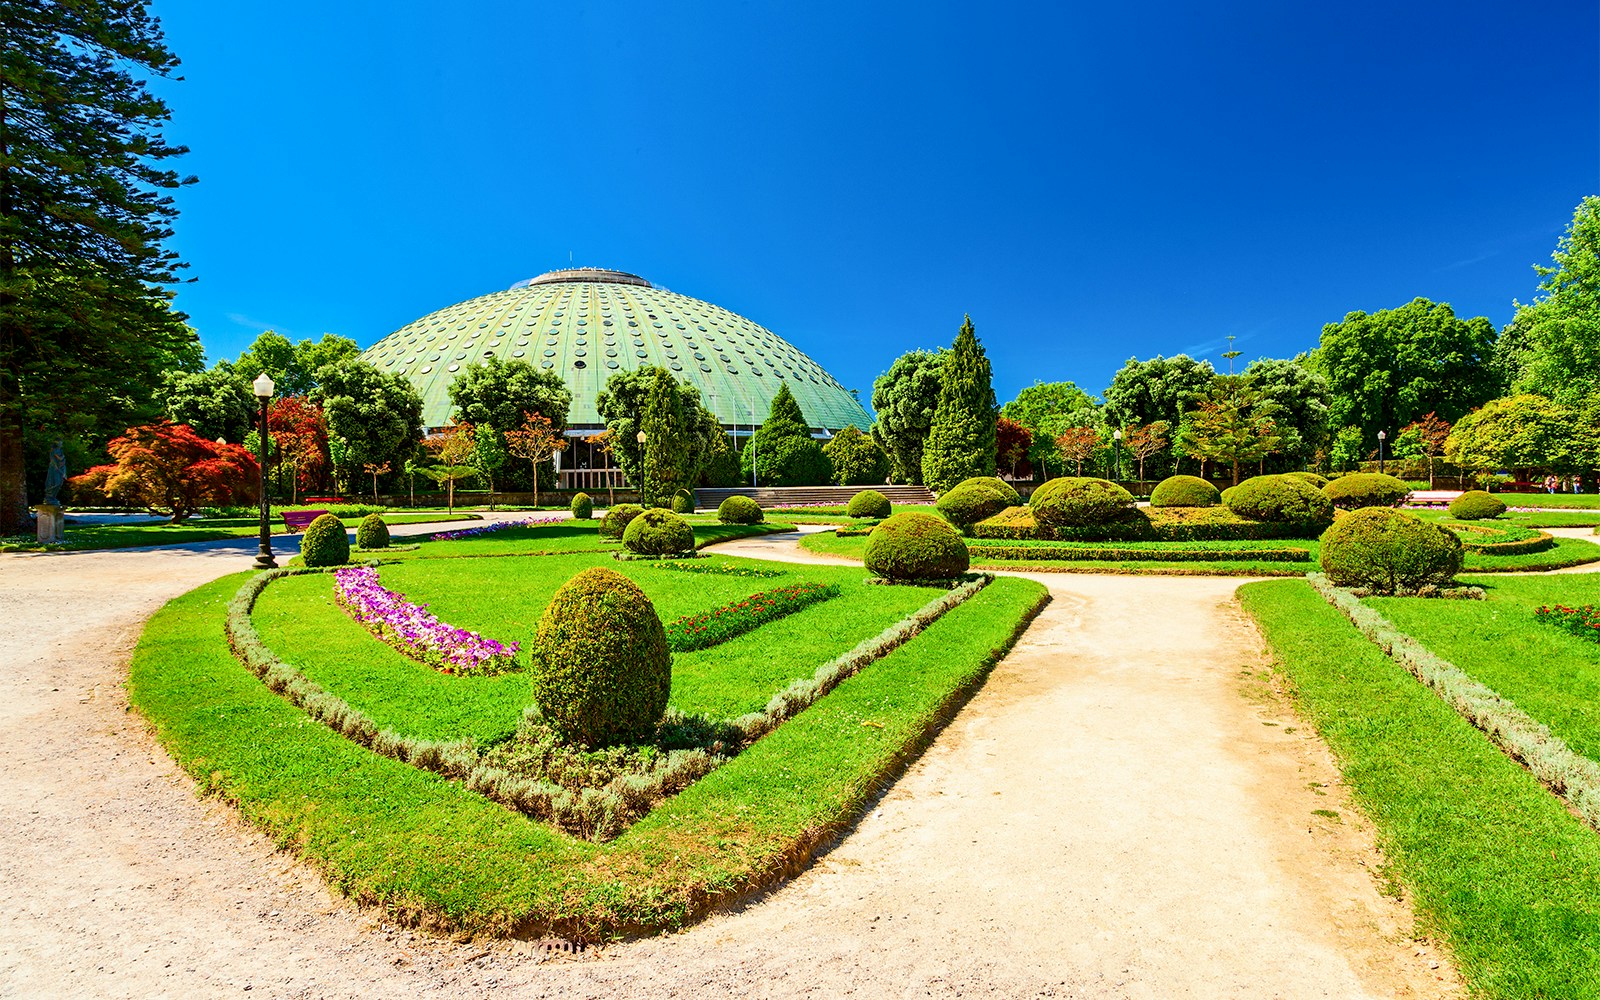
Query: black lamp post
[[263, 388], [1116, 453], [1381, 436]]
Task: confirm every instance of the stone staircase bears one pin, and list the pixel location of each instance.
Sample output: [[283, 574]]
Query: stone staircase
[[807, 496]]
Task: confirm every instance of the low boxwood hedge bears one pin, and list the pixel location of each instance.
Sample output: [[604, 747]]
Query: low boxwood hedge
[[739, 510], [1104, 554], [616, 520], [1079, 501], [912, 545], [1282, 500], [1154, 524], [1539, 542]]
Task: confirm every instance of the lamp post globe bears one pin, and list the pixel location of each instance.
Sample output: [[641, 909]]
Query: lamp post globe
[[1382, 435], [263, 388]]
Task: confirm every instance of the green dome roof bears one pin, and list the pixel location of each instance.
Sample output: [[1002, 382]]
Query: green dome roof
[[588, 324]]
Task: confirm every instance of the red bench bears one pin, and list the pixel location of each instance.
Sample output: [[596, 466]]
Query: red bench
[[298, 520]]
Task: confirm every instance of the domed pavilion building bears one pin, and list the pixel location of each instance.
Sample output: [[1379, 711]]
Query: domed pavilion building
[[587, 324]]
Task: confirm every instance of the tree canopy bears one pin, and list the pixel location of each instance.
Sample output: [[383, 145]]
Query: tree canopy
[[293, 367], [373, 418], [1046, 410], [622, 405], [1142, 392], [215, 402], [856, 458], [1299, 397], [1557, 338], [498, 393], [1521, 432], [961, 439], [782, 451], [904, 398]]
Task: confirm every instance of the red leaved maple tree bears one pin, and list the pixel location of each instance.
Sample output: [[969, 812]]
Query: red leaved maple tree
[[167, 468]]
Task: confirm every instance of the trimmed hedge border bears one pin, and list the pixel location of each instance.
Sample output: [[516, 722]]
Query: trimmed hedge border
[[1524, 739], [598, 814], [1052, 554], [1541, 541], [1157, 524]]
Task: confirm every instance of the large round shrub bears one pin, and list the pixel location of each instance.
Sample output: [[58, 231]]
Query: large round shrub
[[658, 532], [1073, 501], [1184, 491], [869, 503], [325, 542], [1281, 500], [601, 666], [616, 520], [1389, 551], [1476, 505], [372, 533], [1309, 477], [739, 510], [683, 502], [912, 545], [973, 500], [582, 506], [1366, 489]]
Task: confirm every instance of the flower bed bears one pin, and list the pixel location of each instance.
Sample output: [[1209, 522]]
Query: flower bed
[[527, 522], [1582, 622], [711, 628], [412, 630]]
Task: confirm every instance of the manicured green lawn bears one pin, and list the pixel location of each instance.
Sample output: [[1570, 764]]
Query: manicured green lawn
[[122, 536], [1552, 501], [1497, 865], [575, 536], [1553, 676], [434, 852]]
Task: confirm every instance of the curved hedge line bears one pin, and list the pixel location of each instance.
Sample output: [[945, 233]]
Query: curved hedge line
[[1541, 541], [1045, 553], [1154, 524]]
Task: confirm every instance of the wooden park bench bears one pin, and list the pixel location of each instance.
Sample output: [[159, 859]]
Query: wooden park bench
[[298, 520]]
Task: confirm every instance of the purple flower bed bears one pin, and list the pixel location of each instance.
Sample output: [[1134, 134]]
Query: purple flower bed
[[411, 630], [484, 529]]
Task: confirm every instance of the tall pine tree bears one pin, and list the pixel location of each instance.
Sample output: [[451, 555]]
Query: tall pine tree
[[782, 450], [85, 331], [666, 444], [961, 441]]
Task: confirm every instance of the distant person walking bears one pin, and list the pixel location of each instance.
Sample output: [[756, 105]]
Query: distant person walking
[[1551, 483], [1577, 483]]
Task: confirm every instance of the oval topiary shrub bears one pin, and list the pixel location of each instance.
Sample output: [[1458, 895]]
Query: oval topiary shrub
[[1281, 500], [325, 542], [616, 520], [582, 506], [1309, 477], [372, 533], [869, 503], [683, 502], [739, 510], [1184, 491], [1073, 501], [600, 664], [1366, 489], [1476, 505], [912, 545], [658, 532], [1389, 552], [976, 499]]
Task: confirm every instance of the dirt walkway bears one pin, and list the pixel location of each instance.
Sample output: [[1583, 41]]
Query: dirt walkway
[[1121, 812]]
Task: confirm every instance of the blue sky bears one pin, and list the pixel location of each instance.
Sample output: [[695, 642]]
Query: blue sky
[[1091, 183]]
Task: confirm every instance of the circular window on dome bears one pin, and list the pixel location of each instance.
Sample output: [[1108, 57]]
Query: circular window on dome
[[581, 342], [580, 352], [756, 372], [681, 326], [611, 352], [607, 322], [705, 368], [724, 359], [698, 356], [637, 342], [641, 354], [675, 367], [518, 354], [611, 364], [483, 326], [426, 369], [672, 354], [547, 364], [579, 364], [455, 368], [550, 352]]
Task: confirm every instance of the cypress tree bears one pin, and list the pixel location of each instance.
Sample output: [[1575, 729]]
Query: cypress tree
[[783, 449], [666, 445], [961, 440]]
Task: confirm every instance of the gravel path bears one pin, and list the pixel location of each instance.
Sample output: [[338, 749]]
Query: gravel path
[[1124, 810]]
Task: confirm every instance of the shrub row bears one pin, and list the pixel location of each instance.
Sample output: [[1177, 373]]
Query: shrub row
[[1043, 553], [1155, 524], [1573, 777], [712, 628]]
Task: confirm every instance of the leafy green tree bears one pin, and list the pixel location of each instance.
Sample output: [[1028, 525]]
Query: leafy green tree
[[782, 451], [1522, 432], [1389, 368], [85, 328], [1426, 437], [215, 402], [1299, 396], [1046, 410], [1559, 334], [961, 440], [498, 393], [293, 367], [1232, 424], [1142, 392], [621, 405], [856, 458], [376, 418], [488, 455], [904, 398]]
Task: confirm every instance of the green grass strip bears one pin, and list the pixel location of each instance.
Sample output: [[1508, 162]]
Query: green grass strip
[[434, 853], [1498, 867]]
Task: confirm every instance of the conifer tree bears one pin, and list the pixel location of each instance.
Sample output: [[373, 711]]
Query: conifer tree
[[961, 442], [782, 448], [666, 444]]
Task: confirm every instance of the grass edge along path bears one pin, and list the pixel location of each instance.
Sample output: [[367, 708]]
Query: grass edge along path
[[1498, 867], [437, 855]]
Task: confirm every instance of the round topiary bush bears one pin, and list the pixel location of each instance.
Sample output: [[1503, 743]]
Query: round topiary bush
[[1309, 477], [869, 503], [325, 542], [739, 510], [1476, 505], [1184, 491], [1281, 500], [1072, 501], [601, 666], [616, 520], [973, 500], [683, 502], [582, 506], [912, 545], [1366, 489], [658, 532], [1389, 552], [372, 533]]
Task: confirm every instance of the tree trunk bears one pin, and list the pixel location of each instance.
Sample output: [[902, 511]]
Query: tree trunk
[[13, 480], [1236, 472]]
